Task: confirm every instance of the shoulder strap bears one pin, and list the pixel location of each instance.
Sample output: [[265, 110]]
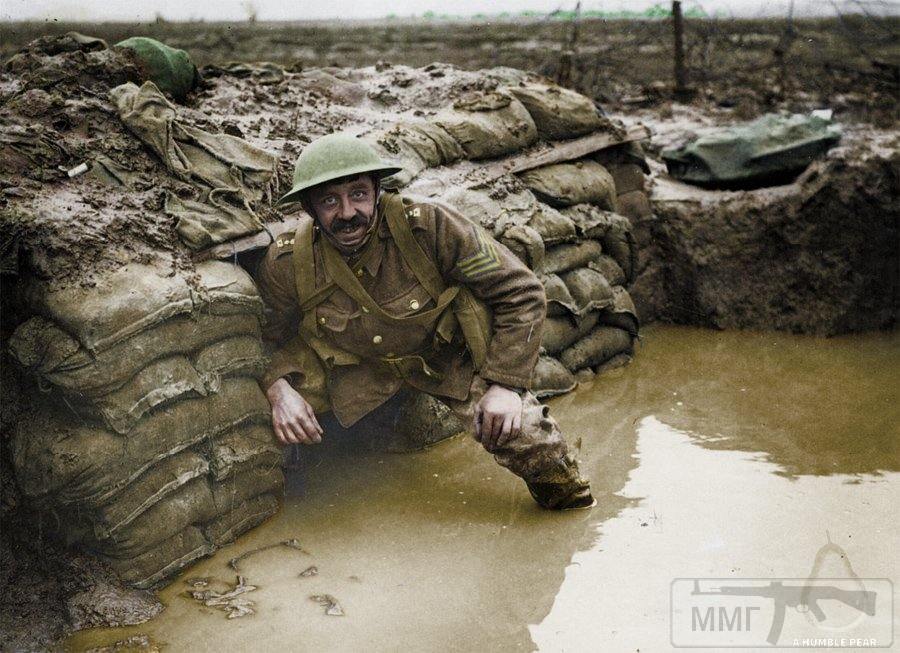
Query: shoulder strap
[[422, 266]]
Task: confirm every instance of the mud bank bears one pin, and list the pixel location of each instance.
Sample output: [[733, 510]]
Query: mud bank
[[820, 255], [702, 451]]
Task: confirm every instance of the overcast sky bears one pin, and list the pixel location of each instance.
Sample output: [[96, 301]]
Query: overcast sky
[[227, 10], [235, 10]]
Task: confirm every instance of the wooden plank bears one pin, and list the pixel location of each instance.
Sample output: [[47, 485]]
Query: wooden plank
[[247, 243], [561, 151], [554, 153]]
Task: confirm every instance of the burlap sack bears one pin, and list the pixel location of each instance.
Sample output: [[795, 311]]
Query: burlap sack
[[553, 226], [162, 561], [567, 184], [138, 297], [526, 244], [251, 513], [595, 348], [570, 256], [558, 112], [590, 290], [57, 358], [59, 460], [607, 266], [612, 230], [551, 378], [560, 332], [489, 125], [621, 313], [559, 299]]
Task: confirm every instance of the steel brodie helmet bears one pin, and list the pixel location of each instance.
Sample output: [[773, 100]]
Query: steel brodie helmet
[[331, 157]]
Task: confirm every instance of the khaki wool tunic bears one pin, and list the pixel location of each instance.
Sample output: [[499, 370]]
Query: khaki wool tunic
[[464, 254]]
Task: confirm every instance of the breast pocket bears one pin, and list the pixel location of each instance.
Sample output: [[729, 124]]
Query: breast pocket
[[410, 337], [332, 319]]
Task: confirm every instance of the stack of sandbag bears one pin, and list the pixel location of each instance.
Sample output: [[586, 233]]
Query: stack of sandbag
[[151, 446]]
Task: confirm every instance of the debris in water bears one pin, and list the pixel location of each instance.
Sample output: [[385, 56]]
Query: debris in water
[[197, 583], [229, 601], [134, 643], [332, 607], [309, 571], [292, 543]]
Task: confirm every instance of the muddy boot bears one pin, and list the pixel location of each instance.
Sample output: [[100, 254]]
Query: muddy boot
[[553, 496]]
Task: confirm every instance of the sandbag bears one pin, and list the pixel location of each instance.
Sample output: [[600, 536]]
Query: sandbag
[[590, 289], [551, 378], [235, 356], [160, 382], [617, 361], [567, 184], [595, 348], [635, 204], [448, 149], [496, 214], [621, 313], [196, 502], [154, 485], [169, 68], [58, 460], [560, 332], [405, 148], [558, 112], [526, 244], [607, 266], [489, 125], [137, 297], [227, 527], [569, 256], [628, 177], [559, 299], [165, 559], [233, 452], [612, 230], [553, 226], [200, 225], [56, 358]]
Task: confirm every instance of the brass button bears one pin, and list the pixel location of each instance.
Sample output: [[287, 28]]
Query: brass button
[[414, 304], [359, 272], [321, 320], [377, 340]]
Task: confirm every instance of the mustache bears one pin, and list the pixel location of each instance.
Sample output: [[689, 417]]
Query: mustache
[[358, 220]]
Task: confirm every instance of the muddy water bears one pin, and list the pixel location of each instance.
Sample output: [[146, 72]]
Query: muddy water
[[713, 454]]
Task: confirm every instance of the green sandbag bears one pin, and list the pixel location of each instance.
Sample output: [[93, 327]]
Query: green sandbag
[[227, 527], [526, 244], [169, 68], [58, 460], [768, 150], [56, 358], [569, 256], [612, 230], [596, 348], [559, 299], [558, 112], [551, 378], [154, 485], [137, 297], [607, 266], [489, 125], [590, 289], [560, 332], [566, 184], [201, 225], [622, 313], [162, 561]]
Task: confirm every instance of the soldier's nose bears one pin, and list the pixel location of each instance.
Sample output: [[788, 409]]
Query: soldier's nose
[[347, 210]]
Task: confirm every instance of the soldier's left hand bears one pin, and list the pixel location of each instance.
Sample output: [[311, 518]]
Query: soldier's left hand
[[498, 417]]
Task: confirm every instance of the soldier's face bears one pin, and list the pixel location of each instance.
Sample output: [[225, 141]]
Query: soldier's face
[[345, 209]]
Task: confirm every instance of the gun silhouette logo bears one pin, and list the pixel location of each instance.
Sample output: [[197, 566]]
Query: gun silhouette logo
[[802, 597]]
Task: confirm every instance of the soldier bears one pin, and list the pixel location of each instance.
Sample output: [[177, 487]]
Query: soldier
[[375, 291]]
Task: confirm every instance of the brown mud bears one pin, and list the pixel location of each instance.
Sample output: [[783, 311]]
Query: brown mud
[[726, 454]]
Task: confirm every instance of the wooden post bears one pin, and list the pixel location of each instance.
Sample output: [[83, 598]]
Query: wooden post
[[681, 83]]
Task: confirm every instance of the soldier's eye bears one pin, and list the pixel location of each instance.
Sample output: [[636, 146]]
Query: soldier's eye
[[359, 194]]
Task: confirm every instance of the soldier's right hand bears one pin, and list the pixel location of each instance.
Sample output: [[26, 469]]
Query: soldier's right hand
[[293, 418]]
